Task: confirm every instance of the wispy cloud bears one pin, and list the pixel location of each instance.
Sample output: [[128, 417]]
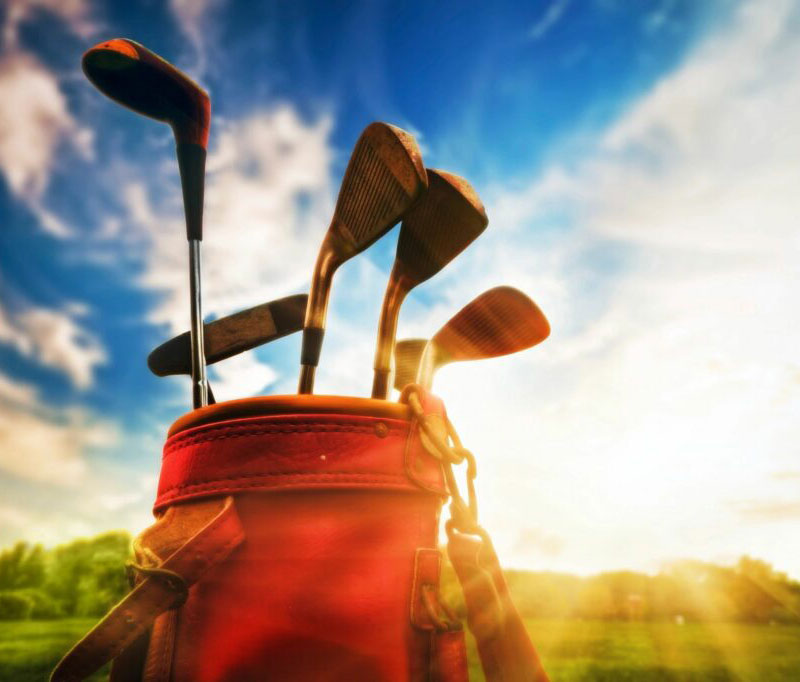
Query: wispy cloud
[[42, 445], [76, 15], [268, 192], [34, 122], [54, 338], [770, 510], [195, 17], [640, 389], [240, 376], [550, 18]]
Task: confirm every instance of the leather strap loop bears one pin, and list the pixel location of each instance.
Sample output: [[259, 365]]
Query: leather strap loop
[[129, 619]]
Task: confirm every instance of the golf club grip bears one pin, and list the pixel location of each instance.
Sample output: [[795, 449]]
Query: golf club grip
[[381, 384], [309, 357], [192, 166], [306, 384]]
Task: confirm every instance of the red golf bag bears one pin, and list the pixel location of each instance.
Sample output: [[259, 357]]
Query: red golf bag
[[296, 539]]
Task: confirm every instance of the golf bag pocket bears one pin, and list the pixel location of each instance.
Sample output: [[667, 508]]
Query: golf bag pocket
[[296, 539]]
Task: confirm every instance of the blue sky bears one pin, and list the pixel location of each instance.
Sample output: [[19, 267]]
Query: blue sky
[[639, 165]]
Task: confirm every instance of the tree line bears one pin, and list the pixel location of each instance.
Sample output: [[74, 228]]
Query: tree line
[[84, 578], [751, 591]]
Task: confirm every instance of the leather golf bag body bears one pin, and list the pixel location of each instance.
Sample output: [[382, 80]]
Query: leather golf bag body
[[297, 540]]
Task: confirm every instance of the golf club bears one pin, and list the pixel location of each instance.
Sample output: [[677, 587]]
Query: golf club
[[407, 354], [135, 77], [439, 227], [499, 322], [231, 335], [384, 177]]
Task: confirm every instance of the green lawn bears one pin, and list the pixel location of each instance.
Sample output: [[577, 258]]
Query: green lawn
[[29, 649], [572, 651], [583, 651]]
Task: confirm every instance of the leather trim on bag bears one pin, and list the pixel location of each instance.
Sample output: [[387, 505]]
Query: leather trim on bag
[[325, 452]]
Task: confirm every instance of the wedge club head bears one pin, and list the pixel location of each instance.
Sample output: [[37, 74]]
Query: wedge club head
[[448, 218], [384, 177], [499, 322], [231, 335], [139, 79]]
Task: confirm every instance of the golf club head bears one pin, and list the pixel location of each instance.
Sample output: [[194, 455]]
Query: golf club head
[[439, 227], [231, 335], [407, 354], [500, 321], [139, 79], [384, 178], [448, 218]]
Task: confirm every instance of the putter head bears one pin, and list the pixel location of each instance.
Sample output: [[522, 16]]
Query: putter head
[[500, 321], [384, 177], [440, 226], [139, 79], [407, 354], [231, 335]]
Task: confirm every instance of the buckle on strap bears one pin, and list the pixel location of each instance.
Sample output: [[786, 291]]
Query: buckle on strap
[[172, 580]]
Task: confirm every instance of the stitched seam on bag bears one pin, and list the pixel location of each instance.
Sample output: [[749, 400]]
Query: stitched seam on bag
[[385, 479], [297, 427], [259, 478]]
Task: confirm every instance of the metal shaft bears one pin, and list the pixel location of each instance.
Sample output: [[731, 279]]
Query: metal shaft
[[199, 379], [396, 291]]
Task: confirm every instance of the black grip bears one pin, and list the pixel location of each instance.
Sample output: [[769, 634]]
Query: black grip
[[312, 346], [192, 164]]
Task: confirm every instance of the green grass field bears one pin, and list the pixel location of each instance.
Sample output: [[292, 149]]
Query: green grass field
[[30, 649], [583, 651], [572, 651]]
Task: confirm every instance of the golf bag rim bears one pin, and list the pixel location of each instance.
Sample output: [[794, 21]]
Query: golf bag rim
[[297, 404]]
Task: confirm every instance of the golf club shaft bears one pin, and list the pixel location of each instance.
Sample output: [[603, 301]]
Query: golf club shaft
[[199, 379], [427, 366], [316, 312], [396, 291]]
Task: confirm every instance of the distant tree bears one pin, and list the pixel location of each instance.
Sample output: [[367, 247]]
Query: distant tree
[[14, 606], [86, 577], [22, 566]]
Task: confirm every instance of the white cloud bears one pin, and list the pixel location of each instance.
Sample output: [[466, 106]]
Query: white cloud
[[268, 201], [34, 120], [74, 13], [240, 376], [40, 445], [55, 339], [193, 17], [549, 19], [667, 396]]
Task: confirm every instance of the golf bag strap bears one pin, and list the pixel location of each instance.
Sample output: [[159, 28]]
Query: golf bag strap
[[160, 588], [506, 651]]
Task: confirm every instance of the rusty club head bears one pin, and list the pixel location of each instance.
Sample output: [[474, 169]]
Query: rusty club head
[[499, 322], [439, 227], [384, 177]]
